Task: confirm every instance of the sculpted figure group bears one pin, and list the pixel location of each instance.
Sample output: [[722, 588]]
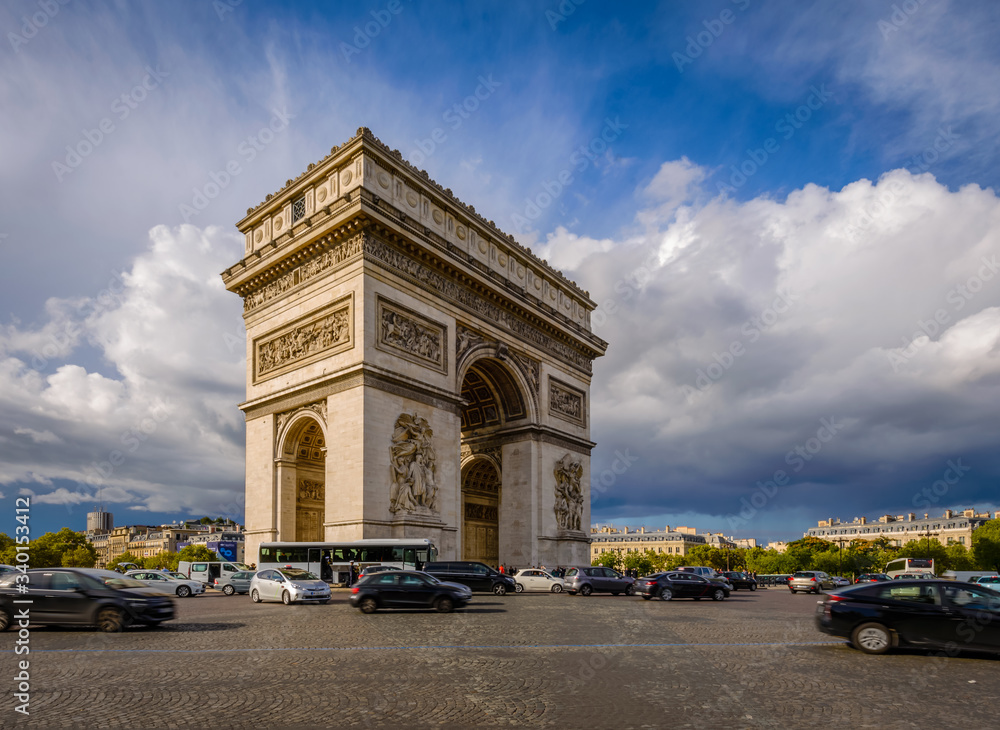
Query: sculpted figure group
[[412, 459], [569, 493]]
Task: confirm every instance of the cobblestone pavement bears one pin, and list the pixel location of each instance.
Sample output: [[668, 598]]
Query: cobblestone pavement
[[531, 660]]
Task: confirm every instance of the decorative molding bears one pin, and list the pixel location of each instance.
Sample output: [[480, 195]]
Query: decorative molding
[[318, 335], [398, 262], [311, 491], [403, 332], [569, 493], [308, 270], [484, 512], [530, 368], [413, 466], [566, 402], [319, 408]]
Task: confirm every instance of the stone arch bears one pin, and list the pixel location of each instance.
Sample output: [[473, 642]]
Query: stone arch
[[301, 478], [487, 382], [481, 494]]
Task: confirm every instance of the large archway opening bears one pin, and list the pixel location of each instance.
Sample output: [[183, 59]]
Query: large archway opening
[[493, 402], [305, 457]]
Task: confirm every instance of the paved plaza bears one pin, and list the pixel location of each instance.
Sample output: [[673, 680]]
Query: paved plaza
[[535, 660]]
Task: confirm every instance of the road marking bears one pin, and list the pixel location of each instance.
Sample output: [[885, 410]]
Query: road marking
[[427, 648]]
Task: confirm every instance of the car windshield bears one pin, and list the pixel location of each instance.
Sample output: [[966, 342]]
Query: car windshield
[[430, 578], [123, 582], [297, 574]]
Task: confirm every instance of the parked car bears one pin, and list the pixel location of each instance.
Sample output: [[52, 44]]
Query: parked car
[[373, 569], [840, 582], [872, 578], [535, 579], [477, 576], [288, 585], [810, 581], [738, 580], [235, 582], [408, 589], [876, 617], [596, 579], [677, 584], [706, 572], [168, 583], [83, 596]]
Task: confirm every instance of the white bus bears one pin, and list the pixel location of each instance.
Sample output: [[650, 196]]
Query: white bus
[[910, 566], [331, 561]]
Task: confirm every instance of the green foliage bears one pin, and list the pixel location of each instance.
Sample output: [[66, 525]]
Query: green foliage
[[161, 560], [641, 562], [6, 542], [125, 557], [196, 552], [84, 556], [986, 546], [608, 560], [957, 558], [47, 551]]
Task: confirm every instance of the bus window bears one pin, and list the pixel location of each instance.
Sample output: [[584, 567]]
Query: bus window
[[409, 556], [397, 555]]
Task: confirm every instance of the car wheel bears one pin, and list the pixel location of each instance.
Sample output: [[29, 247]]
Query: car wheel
[[557, 588], [718, 595], [630, 591], [500, 589], [753, 586], [110, 620], [228, 589], [666, 594], [183, 591], [586, 590], [872, 638], [286, 597], [5, 620], [255, 596], [444, 605], [518, 588], [368, 605]]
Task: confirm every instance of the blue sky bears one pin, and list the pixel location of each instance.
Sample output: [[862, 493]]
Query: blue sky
[[834, 161]]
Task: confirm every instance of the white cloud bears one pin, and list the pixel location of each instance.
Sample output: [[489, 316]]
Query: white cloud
[[737, 327], [160, 428]]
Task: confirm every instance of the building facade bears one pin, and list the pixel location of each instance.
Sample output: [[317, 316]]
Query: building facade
[[949, 528], [678, 541], [412, 371]]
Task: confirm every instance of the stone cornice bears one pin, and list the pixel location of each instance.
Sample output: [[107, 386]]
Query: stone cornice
[[366, 142]]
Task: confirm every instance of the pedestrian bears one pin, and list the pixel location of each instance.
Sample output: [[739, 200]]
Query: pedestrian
[[350, 575], [501, 568]]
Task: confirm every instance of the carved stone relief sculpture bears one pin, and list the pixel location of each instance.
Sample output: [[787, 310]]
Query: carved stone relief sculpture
[[569, 493], [412, 336], [297, 345], [565, 402], [413, 463], [310, 490]]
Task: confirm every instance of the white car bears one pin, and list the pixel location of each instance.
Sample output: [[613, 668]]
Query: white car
[[840, 582], [534, 579], [288, 585], [183, 587]]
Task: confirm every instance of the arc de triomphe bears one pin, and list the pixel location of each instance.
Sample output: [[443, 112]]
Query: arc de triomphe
[[411, 370]]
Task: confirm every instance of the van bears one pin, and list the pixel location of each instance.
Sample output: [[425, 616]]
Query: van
[[477, 576], [206, 572]]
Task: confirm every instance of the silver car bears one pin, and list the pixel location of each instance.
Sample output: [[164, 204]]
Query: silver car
[[288, 585], [596, 579], [235, 582], [810, 581], [167, 583]]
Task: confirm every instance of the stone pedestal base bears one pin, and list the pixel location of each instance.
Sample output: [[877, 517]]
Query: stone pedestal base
[[567, 547]]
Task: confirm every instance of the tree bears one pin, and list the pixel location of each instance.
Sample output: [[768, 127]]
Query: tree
[[125, 557], [84, 556], [162, 560], [958, 558], [194, 553], [926, 547], [608, 560], [986, 546], [47, 551], [641, 562]]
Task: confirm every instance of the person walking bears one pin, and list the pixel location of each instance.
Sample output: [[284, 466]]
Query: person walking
[[350, 575]]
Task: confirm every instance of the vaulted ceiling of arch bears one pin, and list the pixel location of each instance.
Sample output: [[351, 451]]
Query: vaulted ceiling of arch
[[491, 395]]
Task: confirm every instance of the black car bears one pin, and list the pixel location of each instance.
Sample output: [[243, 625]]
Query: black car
[[109, 601], [477, 576], [407, 589], [872, 578], [678, 584], [740, 580], [937, 614]]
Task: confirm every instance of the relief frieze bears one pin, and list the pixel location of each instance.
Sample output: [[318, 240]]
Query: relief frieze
[[414, 337], [322, 334], [566, 402], [308, 270]]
